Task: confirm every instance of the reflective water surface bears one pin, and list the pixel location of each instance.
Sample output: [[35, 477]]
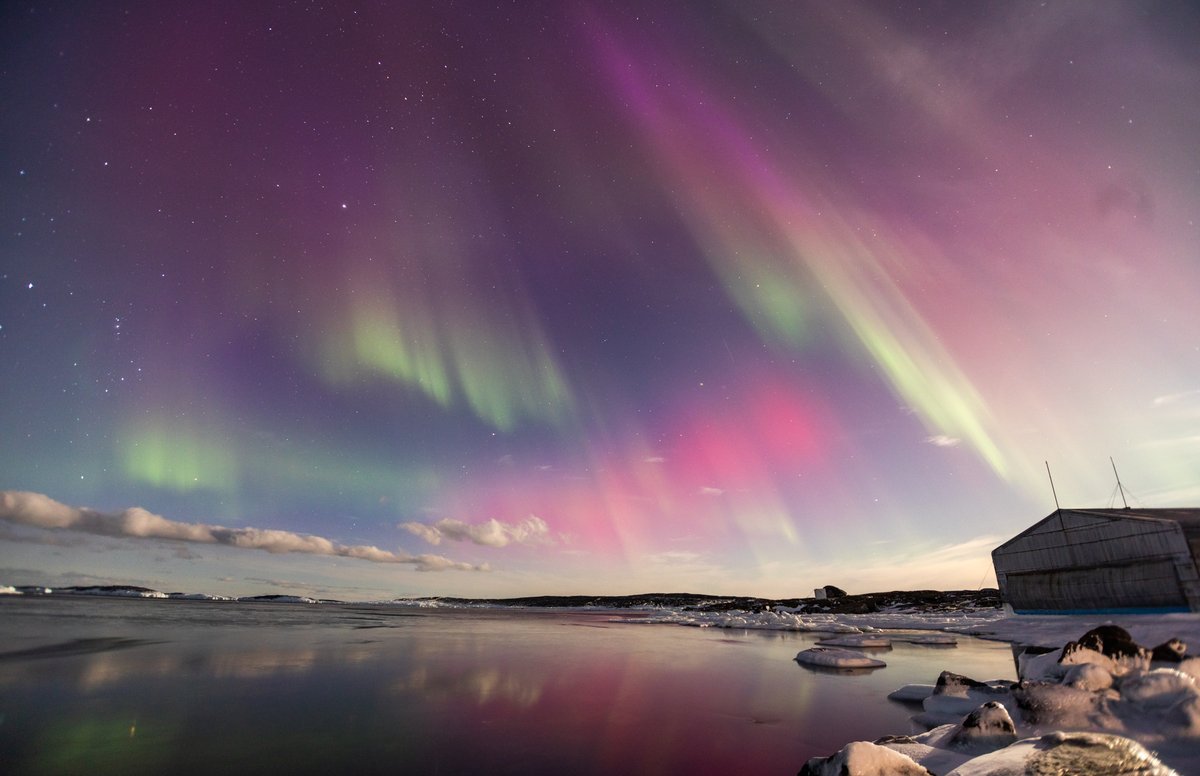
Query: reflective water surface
[[102, 685]]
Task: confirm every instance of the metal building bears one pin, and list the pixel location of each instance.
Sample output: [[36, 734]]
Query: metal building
[[1103, 560]]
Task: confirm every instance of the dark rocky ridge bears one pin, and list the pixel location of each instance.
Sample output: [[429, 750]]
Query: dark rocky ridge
[[864, 603]]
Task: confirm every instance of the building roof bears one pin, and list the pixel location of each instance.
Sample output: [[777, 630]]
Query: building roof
[[1187, 518]]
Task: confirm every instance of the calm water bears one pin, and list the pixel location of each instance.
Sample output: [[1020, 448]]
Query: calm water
[[95, 685]]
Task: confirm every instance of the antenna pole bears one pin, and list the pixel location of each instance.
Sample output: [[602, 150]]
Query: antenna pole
[[1119, 486], [1052, 490]]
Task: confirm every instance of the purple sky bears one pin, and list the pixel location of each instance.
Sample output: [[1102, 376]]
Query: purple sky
[[588, 297]]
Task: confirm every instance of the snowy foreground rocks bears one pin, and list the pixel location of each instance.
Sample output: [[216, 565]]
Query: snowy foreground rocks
[[1089, 709]]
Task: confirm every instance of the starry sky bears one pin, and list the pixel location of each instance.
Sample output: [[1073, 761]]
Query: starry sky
[[363, 299]]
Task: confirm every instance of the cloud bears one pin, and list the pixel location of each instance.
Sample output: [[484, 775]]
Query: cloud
[[710, 491], [34, 509], [941, 440], [493, 533], [428, 533], [654, 459], [1176, 398]]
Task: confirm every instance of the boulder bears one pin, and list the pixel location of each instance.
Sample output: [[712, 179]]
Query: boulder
[[1109, 640], [986, 728], [1170, 651], [862, 758], [1070, 754]]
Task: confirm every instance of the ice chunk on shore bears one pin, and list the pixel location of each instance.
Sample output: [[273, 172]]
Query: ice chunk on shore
[[832, 657], [929, 639], [780, 620], [912, 693], [955, 695]]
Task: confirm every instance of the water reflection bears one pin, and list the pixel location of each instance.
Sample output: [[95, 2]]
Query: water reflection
[[308, 690], [484, 685]]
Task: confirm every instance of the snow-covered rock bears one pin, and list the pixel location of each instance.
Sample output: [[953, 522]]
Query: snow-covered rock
[[1088, 676], [1158, 688], [985, 729], [1082, 754], [1173, 650], [1191, 667], [1049, 705], [862, 758]]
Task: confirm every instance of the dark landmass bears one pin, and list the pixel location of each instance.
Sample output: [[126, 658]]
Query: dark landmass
[[865, 603], [106, 589], [834, 603], [277, 597]]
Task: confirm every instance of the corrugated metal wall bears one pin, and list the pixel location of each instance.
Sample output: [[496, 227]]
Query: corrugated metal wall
[[1150, 584], [1072, 560]]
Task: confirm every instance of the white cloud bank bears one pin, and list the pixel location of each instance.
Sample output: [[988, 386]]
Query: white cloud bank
[[34, 509], [493, 533]]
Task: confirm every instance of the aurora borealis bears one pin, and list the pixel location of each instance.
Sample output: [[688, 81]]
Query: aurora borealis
[[591, 297]]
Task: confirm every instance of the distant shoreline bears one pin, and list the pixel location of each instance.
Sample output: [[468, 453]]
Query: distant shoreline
[[927, 601]]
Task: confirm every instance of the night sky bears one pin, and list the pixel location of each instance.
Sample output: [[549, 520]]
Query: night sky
[[370, 299]]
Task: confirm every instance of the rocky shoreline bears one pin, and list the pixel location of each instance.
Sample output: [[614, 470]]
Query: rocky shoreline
[[1097, 706]]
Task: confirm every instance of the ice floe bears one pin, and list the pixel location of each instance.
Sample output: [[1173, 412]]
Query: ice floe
[[857, 641], [832, 657]]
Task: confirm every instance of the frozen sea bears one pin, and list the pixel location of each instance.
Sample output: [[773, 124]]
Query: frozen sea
[[111, 685]]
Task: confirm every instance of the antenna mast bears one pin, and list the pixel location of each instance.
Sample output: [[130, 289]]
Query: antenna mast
[[1119, 486], [1052, 490]]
